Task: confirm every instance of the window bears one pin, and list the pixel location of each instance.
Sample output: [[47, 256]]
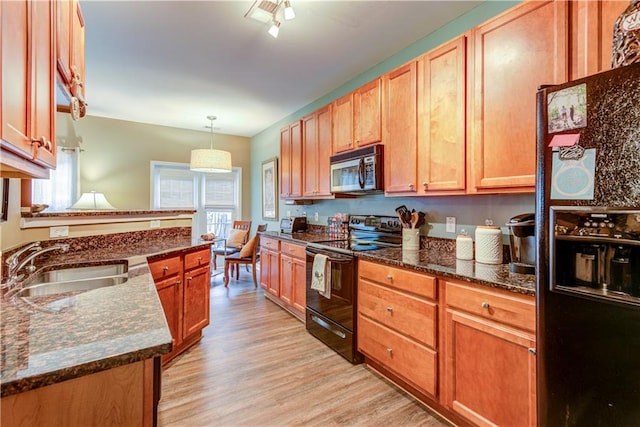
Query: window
[[215, 196], [61, 189]]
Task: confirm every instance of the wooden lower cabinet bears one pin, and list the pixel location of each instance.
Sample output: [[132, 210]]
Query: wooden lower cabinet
[[397, 323], [466, 350], [490, 369], [122, 396], [182, 282], [283, 274]]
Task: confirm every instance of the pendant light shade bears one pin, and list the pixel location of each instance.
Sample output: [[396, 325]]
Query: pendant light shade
[[210, 160]]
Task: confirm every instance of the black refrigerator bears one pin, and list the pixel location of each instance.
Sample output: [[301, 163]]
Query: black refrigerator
[[588, 253]]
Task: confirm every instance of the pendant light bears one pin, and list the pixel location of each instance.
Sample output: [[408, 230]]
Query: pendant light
[[210, 160]]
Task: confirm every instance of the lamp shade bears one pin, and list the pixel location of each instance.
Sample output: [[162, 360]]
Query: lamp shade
[[208, 160], [92, 202]]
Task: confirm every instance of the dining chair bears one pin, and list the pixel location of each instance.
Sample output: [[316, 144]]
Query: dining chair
[[237, 238], [248, 255]]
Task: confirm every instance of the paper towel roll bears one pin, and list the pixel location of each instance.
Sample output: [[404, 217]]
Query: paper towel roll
[[489, 244]]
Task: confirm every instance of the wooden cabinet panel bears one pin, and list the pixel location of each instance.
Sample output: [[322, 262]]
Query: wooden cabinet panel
[[510, 64], [442, 118], [286, 279], [401, 110], [402, 279], [169, 292], [342, 113], [196, 300], [299, 276], [27, 87], [504, 307], [269, 243], [592, 35], [70, 47], [272, 259], [291, 160], [316, 144], [490, 372], [368, 113], [293, 250], [411, 316], [414, 362], [166, 267]]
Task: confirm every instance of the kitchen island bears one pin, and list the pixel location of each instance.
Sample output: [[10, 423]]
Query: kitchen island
[[68, 340]]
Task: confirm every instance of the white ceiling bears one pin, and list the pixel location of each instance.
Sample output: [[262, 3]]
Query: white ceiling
[[173, 63]]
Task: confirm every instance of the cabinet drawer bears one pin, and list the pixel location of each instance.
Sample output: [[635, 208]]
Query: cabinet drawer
[[408, 314], [400, 278], [197, 259], [414, 362], [291, 249], [166, 267], [512, 309], [273, 244]]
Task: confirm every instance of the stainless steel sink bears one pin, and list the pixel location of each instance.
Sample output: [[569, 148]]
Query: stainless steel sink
[[74, 279]]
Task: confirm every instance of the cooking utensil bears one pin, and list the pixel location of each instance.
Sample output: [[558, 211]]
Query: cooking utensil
[[414, 219], [402, 212]]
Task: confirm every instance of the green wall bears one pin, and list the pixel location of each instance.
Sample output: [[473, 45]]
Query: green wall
[[468, 210]]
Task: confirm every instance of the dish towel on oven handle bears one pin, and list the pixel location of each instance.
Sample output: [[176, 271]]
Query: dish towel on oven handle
[[321, 275]]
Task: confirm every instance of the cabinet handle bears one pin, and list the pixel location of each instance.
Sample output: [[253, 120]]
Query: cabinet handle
[[42, 142], [389, 351], [390, 309], [425, 185], [531, 351], [389, 277], [485, 305], [165, 268], [411, 187], [199, 258]]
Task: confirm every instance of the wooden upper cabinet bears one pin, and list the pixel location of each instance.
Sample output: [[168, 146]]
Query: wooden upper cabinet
[[442, 118], [291, 160], [342, 113], [28, 102], [592, 35], [70, 47], [401, 115], [514, 54], [367, 118], [316, 147]]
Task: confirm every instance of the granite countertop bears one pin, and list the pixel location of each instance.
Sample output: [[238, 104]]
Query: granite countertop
[[60, 338], [436, 259]]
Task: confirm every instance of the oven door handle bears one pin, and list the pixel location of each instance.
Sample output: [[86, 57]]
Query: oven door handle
[[345, 260]]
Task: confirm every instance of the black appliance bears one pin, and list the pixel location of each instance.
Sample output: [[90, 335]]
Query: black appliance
[[333, 320], [588, 255], [358, 171], [293, 224], [522, 243]]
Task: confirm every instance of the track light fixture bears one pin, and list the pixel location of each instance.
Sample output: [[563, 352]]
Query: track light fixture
[[275, 28], [289, 13], [267, 11]]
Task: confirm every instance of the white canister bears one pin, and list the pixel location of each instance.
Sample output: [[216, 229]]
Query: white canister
[[489, 244], [411, 239], [464, 246]]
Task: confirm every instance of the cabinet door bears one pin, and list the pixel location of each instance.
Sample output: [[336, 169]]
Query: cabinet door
[[510, 64], [196, 300], [285, 161], [291, 160], [299, 276], [286, 279], [274, 273], [490, 371], [442, 124], [368, 113], [310, 154], [70, 46], [592, 35], [343, 123], [323, 124], [169, 291], [264, 268], [401, 165], [77, 51]]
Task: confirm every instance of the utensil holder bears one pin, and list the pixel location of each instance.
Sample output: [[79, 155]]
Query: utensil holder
[[410, 239]]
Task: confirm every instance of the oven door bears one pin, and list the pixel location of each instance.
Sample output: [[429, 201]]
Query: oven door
[[340, 308]]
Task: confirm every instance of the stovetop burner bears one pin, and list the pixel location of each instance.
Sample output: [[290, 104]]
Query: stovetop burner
[[367, 232]]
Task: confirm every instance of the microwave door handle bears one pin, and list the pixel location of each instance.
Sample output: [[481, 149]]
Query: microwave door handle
[[361, 171]]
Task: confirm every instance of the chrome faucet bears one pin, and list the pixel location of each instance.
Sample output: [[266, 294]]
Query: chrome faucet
[[15, 266]]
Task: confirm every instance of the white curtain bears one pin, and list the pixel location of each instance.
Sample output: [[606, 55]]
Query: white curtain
[[61, 189]]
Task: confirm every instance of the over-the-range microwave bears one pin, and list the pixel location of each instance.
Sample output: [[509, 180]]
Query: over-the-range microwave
[[358, 171]]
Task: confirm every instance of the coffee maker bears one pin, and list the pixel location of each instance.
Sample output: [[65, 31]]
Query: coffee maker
[[522, 243]]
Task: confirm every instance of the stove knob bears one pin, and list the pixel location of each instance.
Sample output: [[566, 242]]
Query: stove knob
[[587, 224], [610, 225], [396, 224], [602, 225]]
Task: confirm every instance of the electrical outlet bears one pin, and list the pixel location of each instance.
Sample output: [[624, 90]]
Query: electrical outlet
[[316, 217], [451, 224], [155, 223], [288, 214], [62, 231]]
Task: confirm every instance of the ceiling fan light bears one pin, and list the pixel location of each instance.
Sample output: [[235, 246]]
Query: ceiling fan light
[[275, 29], [289, 13]]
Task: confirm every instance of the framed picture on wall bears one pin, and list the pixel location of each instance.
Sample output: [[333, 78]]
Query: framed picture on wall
[[270, 189]]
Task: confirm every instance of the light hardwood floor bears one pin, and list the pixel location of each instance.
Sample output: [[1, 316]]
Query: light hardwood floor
[[257, 366]]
